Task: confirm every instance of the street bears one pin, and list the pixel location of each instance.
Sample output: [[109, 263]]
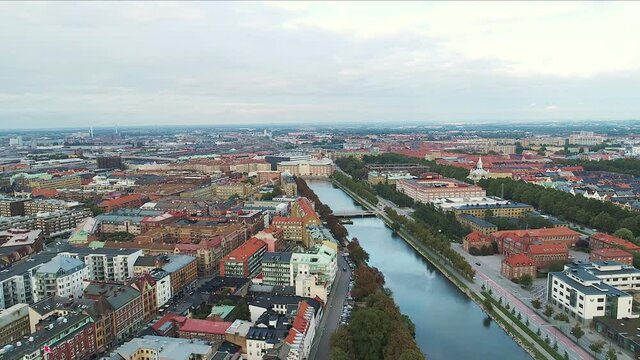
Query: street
[[320, 348]]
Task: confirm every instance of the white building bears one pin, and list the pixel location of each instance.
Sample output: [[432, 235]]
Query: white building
[[587, 138], [106, 264], [163, 286], [586, 291], [62, 276], [307, 284], [163, 348], [321, 261], [17, 282]]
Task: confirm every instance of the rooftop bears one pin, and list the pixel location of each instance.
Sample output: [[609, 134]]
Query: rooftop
[[280, 257], [59, 264], [169, 348], [244, 251]]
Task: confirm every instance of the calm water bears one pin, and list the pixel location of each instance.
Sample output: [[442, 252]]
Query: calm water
[[448, 324]]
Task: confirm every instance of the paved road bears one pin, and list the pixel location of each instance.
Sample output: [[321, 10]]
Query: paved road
[[332, 312]]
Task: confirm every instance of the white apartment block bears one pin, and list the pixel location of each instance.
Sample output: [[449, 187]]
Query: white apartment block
[[62, 276], [581, 292], [106, 264]]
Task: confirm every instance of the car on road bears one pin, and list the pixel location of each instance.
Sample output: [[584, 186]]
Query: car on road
[[344, 269], [478, 264]]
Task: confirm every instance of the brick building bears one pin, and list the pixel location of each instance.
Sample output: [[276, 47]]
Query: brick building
[[612, 254], [518, 265], [245, 261], [476, 240], [602, 240]]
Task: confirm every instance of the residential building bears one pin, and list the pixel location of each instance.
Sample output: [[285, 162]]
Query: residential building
[[146, 285], [292, 227], [126, 201], [276, 268], [14, 323], [17, 283], [477, 224], [60, 182], [12, 206], [11, 239], [426, 190], [237, 334], [611, 254], [183, 271], [302, 332], [62, 277], [68, 337], [110, 162], [260, 339], [602, 240], [587, 138], [245, 261], [525, 237], [148, 347], [125, 305], [273, 160], [272, 236], [307, 284], [106, 264], [585, 296], [289, 186], [52, 224], [48, 205], [163, 286], [132, 221], [510, 209], [226, 190], [477, 240], [188, 328], [322, 262]]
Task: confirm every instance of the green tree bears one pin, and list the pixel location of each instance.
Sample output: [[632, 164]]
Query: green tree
[[526, 280], [611, 354], [369, 329], [519, 147], [577, 331], [625, 234], [338, 354], [243, 312], [548, 311], [596, 346], [566, 355], [487, 304], [536, 304]]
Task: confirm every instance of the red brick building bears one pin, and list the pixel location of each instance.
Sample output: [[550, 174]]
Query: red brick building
[[556, 235], [517, 265], [188, 328], [544, 255], [602, 240], [612, 254], [476, 240]]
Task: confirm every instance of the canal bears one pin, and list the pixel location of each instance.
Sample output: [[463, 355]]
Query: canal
[[448, 324]]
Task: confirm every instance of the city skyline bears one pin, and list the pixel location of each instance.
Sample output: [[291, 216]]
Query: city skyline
[[101, 64]]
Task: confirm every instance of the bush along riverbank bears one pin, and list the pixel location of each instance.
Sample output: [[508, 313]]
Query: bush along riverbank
[[378, 330]]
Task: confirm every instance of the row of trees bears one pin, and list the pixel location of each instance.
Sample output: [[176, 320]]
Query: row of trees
[[629, 166], [445, 223], [389, 192], [359, 188], [326, 214], [601, 215], [393, 158], [435, 240], [378, 330]]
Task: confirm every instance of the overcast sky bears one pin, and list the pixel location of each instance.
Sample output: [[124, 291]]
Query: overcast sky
[[127, 63]]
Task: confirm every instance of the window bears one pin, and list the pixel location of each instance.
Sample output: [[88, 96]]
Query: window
[[600, 307], [601, 300]]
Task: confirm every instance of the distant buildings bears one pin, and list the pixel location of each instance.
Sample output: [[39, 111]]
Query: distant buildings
[[308, 168], [425, 191], [109, 162], [587, 138], [14, 323]]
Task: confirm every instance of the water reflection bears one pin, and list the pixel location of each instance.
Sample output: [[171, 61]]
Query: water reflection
[[448, 324]]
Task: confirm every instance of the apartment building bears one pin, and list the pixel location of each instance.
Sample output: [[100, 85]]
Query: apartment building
[[611, 254], [146, 348], [587, 138], [61, 276], [516, 266], [14, 323], [17, 282], [106, 264], [12, 206], [476, 240], [51, 224], [48, 205], [509, 209], [125, 305], [60, 182], [581, 291], [477, 224], [245, 261], [602, 241], [276, 268], [322, 262]]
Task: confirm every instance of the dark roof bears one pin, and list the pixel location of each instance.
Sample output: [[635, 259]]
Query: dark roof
[[269, 335], [21, 267], [220, 282], [280, 257], [145, 260]]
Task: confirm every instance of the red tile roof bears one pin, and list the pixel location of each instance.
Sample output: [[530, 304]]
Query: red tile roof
[[551, 248], [121, 200], [615, 241], [477, 236], [611, 252], [245, 250], [519, 260], [536, 233], [193, 325]]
